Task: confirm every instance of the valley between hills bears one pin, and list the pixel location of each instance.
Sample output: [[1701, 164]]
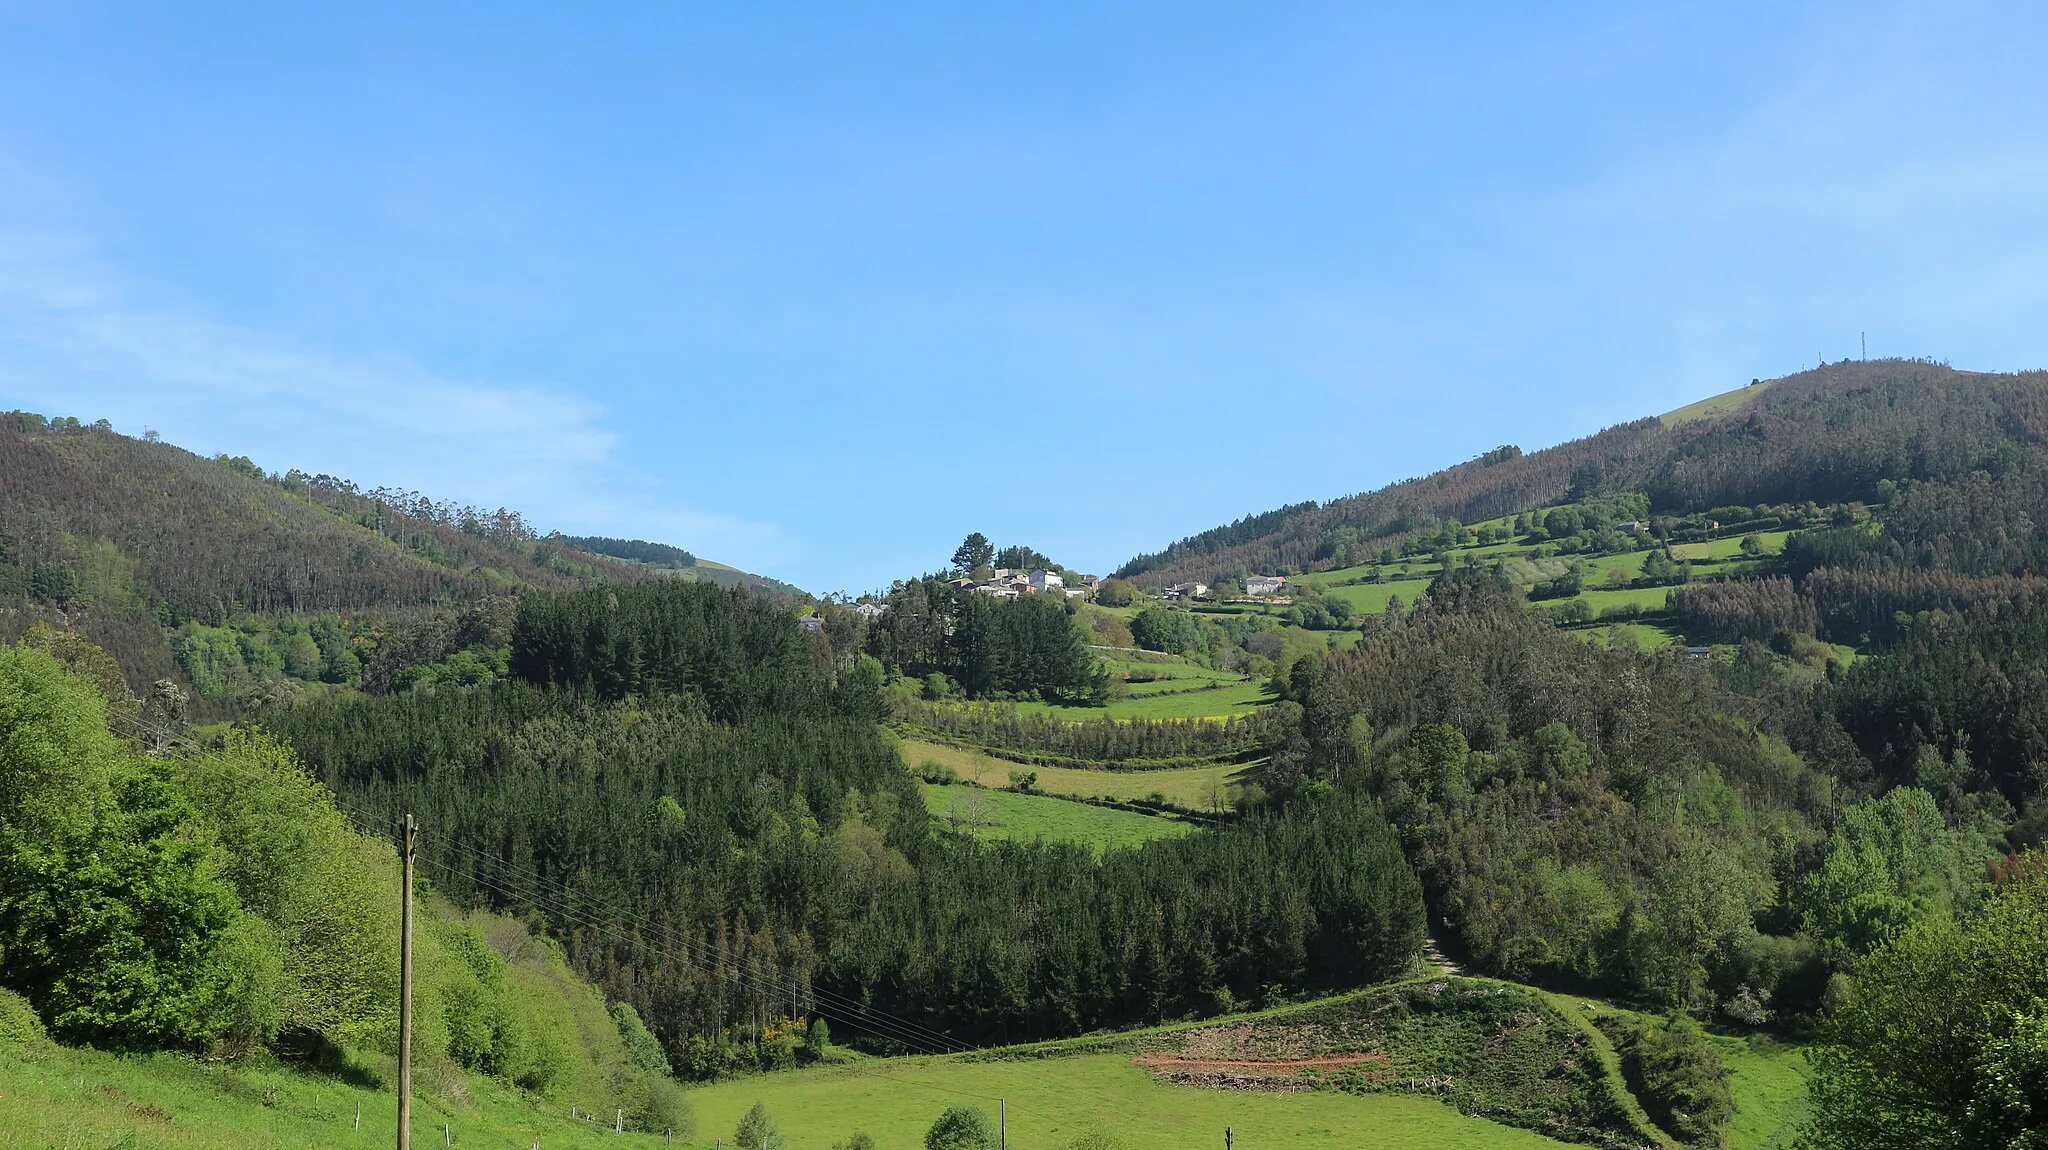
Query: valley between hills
[[1679, 785]]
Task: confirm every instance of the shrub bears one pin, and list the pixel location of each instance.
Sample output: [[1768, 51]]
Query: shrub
[[18, 1021], [758, 1131], [657, 1104], [1677, 1075], [961, 1128], [642, 1048]]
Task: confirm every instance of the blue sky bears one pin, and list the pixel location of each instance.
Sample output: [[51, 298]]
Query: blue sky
[[816, 290]]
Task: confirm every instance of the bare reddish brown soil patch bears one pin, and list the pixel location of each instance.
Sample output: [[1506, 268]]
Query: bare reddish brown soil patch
[[1281, 1074]]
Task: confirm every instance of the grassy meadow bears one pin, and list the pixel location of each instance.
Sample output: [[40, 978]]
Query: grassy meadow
[[1197, 788], [52, 1096], [1053, 1100], [993, 814], [1714, 405], [1769, 1083], [1229, 697], [1729, 548]]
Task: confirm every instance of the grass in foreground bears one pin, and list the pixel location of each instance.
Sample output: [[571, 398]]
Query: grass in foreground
[[1769, 1083], [993, 814], [1053, 1100], [1197, 788], [53, 1096]]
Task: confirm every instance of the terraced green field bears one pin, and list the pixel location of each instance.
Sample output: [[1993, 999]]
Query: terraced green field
[[993, 814], [1730, 548], [1645, 598], [1197, 788], [1644, 636], [1239, 698], [1372, 598]]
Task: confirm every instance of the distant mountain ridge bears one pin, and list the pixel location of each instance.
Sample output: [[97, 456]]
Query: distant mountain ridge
[[665, 557], [1830, 433]]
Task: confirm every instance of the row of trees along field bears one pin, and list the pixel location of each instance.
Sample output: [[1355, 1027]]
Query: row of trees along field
[[679, 751]]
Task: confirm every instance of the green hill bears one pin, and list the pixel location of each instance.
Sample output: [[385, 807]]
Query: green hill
[[1827, 435], [147, 548]]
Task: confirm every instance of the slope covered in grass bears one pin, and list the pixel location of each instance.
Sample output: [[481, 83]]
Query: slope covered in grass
[[995, 814], [56, 1096], [1196, 788]]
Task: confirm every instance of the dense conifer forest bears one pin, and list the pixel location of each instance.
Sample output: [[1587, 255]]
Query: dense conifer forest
[[765, 823]]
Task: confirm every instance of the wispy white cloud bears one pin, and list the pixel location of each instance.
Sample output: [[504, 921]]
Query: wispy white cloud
[[78, 319], [72, 341]]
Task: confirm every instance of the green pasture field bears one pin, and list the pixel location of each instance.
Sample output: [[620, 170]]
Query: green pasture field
[[1768, 1080], [1051, 1101], [991, 814], [1241, 699], [1165, 678], [1722, 404], [1647, 598], [53, 1096], [1728, 548], [1163, 666], [1197, 788], [1371, 598], [1645, 636]]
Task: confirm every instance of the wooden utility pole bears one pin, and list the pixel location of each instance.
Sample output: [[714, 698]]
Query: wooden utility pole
[[1226, 1138], [405, 992], [1002, 1124]]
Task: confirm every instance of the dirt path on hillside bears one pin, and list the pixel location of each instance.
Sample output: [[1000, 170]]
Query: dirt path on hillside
[[1435, 954]]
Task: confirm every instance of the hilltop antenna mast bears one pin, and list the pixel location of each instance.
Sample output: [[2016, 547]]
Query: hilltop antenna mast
[[1865, 337]]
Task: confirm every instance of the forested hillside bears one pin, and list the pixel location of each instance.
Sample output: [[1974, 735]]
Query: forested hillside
[[236, 583], [1827, 435], [746, 802], [1822, 796]]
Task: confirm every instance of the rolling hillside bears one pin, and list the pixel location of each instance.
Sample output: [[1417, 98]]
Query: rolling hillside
[[1829, 434], [128, 540]]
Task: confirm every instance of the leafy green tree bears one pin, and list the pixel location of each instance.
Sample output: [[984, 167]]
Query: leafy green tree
[[642, 1047], [115, 919], [1941, 1038], [1165, 629], [295, 863], [1117, 593], [758, 1130], [1892, 860], [961, 1128]]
